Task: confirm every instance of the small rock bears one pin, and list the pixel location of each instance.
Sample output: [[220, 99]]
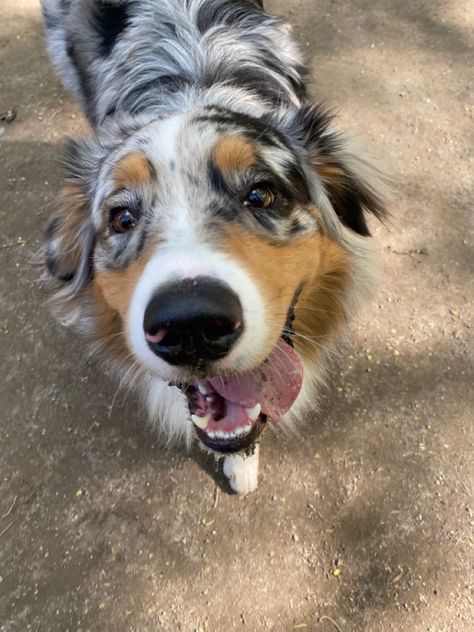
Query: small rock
[[8, 116]]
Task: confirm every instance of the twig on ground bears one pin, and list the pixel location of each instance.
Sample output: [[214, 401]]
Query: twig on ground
[[326, 618], [5, 515], [411, 251], [325, 520], [6, 528], [216, 497]]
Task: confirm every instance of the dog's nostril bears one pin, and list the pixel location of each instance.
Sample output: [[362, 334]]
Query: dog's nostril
[[218, 328], [171, 339], [165, 338], [158, 337]]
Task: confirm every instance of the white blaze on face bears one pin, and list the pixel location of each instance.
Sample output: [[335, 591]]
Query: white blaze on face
[[186, 252]]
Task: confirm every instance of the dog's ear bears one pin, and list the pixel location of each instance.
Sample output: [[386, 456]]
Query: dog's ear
[[353, 184], [70, 236]]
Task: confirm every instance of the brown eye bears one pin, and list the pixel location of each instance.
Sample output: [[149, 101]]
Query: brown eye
[[122, 220], [260, 197]]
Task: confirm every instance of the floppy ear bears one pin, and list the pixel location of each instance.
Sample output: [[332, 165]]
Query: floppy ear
[[70, 237], [353, 184]]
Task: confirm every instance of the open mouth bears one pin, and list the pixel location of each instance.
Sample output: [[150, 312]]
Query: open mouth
[[230, 412]]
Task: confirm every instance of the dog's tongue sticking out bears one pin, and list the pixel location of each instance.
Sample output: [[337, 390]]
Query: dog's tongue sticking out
[[228, 407], [274, 385]]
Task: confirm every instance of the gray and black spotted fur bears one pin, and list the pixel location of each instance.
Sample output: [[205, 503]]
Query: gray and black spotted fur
[[130, 62], [157, 56]]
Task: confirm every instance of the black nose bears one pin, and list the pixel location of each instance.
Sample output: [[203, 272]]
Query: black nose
[[193, 321]]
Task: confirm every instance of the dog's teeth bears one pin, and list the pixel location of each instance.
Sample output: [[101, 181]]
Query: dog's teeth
[[247, 428], [254, 412], [202, 389], [201, 422], [211, 434], [220, 434]]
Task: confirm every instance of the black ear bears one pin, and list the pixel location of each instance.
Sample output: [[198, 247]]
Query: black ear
[[70, 237], [353, 184]]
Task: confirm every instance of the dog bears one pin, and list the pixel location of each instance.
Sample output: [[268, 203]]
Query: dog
[[211, 234]]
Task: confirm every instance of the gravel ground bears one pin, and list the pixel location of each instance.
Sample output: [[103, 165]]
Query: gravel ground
[[361, 523]]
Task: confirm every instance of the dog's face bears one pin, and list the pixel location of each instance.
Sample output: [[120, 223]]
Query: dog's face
[[204, 259]]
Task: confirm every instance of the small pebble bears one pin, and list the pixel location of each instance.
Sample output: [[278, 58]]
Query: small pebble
[[8, 116]]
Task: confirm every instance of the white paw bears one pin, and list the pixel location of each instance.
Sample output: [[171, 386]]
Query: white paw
[[242, 471]]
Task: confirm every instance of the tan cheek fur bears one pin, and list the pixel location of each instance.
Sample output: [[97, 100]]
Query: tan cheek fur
[[73, 212], [320, 309], [112, 291], [317, 263]]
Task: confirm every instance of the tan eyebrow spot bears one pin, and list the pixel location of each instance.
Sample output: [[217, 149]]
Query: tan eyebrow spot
[[132, 170], [234, 153]]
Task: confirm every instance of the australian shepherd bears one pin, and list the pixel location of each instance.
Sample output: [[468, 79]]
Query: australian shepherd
[[211, 233]]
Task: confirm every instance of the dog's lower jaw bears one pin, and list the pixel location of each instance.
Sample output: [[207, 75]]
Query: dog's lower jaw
[[241, 469]]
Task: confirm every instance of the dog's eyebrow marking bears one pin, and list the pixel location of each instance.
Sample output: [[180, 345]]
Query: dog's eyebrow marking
[[233, 154], [254, 128], [133, 170]]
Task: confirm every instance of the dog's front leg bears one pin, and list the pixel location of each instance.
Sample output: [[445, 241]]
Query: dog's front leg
[[242, 471]]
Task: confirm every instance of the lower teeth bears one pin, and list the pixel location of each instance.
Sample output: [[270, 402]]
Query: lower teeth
[[203, 422], [221, 434]]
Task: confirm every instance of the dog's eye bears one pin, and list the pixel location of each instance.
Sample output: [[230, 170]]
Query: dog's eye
[[122, 220], [260, 197]]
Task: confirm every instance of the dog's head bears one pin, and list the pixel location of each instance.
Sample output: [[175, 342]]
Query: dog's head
[[218, 253]]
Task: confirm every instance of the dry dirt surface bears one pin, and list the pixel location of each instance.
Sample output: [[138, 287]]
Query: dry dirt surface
[[361, 523]]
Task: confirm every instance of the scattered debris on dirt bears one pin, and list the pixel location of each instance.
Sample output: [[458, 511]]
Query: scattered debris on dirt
[[8, 116]]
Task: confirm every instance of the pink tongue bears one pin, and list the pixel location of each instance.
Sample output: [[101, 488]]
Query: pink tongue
[[275, 384]]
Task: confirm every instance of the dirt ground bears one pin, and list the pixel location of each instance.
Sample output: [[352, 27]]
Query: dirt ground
[[361, 523]]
